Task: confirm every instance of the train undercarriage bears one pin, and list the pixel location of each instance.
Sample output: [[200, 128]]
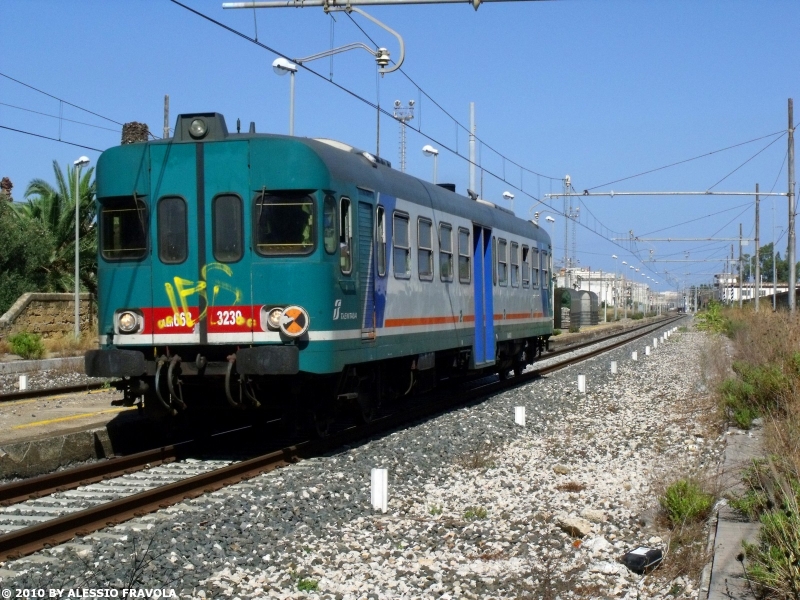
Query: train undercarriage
[[178, 382]]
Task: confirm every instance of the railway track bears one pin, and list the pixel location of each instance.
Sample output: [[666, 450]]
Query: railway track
[[137, 494]]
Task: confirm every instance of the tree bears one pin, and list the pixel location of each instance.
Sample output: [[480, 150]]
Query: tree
[[54, 209], [765, 258], [25, 249]]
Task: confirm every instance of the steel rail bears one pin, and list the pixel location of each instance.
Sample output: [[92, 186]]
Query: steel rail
[[61, 529], [45, 392]]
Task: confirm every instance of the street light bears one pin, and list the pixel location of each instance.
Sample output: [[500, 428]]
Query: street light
[[81, 162], [509, 196], [281, 66], [429, 150]]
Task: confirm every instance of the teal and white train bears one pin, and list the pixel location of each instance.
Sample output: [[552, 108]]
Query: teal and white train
[[302, 275]]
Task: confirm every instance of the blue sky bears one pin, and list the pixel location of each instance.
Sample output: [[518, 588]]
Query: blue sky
[[597, 90]]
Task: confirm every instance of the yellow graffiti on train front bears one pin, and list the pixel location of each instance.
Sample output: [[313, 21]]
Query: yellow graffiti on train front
[[180, 291]]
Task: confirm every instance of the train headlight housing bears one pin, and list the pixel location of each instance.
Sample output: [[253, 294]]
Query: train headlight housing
[[128, 321], [274, 318], [198, 128]]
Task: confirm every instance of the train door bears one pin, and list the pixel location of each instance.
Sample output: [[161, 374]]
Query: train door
[[483, 349], [226, 270], [366, 265], [174, 199]]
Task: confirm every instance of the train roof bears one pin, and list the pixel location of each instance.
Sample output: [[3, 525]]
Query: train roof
[[347, 163]]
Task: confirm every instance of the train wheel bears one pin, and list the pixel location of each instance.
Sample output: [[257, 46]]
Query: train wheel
[[365, 408], [319, 423], [518, 369]]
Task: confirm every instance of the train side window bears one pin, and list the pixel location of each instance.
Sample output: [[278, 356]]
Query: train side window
[[345, 236], [446, 252], [535, 266], [494, 261], [545, 269], [173, 242], [380, 219], [425, 249], [514, 264], [464, 271], [401, 248], [502, 262], [284, 223], [526, 273], [123, 228], [228, 228], [329, 224]]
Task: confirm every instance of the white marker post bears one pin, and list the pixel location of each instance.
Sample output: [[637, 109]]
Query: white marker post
[[647, 350], [655, 343], [23, 382], [519, 415], [380, 489], [582, 384], [634, 356], [614, 367]]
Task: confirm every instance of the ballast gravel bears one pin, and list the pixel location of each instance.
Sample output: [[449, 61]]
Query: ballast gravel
[[478, 507]]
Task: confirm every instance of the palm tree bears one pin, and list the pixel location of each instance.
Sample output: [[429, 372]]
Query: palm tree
[[54, 207]]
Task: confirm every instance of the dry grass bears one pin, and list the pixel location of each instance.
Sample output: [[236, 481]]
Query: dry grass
[[481, 456], [5, 347], [767, 350], [67, 345], [571, 486]]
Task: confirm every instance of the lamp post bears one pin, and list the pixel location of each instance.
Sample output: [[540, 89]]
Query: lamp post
[[616, 295], [281, 66], [429, 150], [81, 162]]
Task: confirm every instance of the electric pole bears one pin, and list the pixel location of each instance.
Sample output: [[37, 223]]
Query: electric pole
[[166, 116], [741, 300], [758, 252], [791, 252]]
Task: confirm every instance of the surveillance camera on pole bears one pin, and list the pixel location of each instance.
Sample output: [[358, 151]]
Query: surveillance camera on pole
[[509, 196], [429, 150]]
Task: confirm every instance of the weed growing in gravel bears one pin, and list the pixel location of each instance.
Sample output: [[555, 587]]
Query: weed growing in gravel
[[685, 502], [435, 509], [307, 585], [474, 513], [481, 456]]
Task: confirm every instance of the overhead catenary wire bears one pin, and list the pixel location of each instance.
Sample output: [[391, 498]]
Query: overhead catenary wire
[[62, 101], [50, 138], [680, 162]]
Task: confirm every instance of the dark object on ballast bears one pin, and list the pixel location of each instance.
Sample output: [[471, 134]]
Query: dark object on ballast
[[643, 560]]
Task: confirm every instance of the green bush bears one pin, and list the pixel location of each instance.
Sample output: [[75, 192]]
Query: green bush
[[772, 561], [574, 328], [686, 502], [757, 390], [556, 332], [27, 345], [637, 316]]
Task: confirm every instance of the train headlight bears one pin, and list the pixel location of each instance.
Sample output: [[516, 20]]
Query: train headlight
[[274, 318], [198, 128], [128, 321]]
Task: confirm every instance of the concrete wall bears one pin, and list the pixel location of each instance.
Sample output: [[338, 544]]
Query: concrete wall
[[49, 315]]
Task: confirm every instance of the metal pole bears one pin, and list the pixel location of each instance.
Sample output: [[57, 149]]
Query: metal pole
[[741, 266], [166, 116], [791, 252], [758, 253], [472, 146], [77, 173], [616, 294], [291, 103], [435, 158]]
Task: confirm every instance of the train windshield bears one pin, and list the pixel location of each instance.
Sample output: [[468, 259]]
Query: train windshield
[[123, 229], [284, 223]]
